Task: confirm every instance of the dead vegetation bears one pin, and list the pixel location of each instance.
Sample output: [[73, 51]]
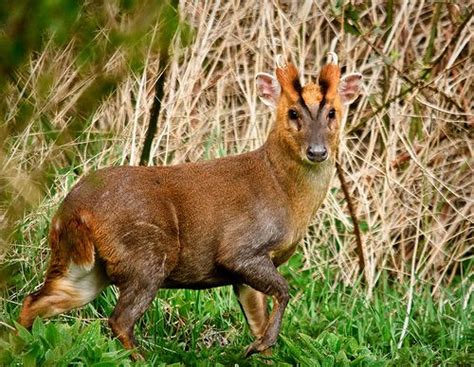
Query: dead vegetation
[[407, 151]]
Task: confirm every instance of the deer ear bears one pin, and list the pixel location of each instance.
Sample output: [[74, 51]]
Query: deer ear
[[268, 89], [349, 87]]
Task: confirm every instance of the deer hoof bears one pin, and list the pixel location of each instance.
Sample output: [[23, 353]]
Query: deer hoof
[[137, 357], [257, 346]]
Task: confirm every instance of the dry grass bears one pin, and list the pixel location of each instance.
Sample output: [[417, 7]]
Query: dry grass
[[406, 150]]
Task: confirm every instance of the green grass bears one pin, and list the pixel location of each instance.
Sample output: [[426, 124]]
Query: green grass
[[325, 324]]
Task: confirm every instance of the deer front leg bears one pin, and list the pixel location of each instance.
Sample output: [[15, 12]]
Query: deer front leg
[[260, 273], [255, 308]]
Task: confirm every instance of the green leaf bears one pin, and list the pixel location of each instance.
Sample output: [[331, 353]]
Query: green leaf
[[341, 359], [349, 28], [23, 333], [38, 328], [52, 334]]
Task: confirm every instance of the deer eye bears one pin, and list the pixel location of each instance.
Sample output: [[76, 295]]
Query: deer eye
[[292, 115], [332, 113]]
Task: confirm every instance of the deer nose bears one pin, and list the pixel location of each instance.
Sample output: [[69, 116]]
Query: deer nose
[[317, 153]]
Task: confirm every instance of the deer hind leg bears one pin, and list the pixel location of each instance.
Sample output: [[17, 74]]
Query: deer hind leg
[[137, 288], [255, 308], [72, 288], [149, 252], [134, 300]]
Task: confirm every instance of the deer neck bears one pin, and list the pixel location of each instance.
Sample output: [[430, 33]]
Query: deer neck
[[304, 184]]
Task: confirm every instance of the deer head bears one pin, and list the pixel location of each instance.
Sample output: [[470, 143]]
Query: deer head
[[308, 117]]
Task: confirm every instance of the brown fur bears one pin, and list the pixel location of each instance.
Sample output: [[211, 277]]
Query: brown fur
[[311, 94], [329, 80], [288, 79], [232, 220]]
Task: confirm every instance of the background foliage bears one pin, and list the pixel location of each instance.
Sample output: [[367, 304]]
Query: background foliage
[[81, 86]]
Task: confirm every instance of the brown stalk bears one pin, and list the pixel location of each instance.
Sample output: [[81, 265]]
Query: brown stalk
[[155, 112], [355, 222]]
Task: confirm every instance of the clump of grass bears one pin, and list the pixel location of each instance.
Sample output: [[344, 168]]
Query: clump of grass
[[61, 344]]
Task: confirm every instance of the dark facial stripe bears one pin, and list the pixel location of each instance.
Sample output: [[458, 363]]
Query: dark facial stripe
[[304, 105], [299, 89], [318, 111], [323, 102], [302, 102], [297, 86], [324, 86]]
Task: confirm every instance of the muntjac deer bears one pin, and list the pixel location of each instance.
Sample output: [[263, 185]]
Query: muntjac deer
[[228, 221]]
